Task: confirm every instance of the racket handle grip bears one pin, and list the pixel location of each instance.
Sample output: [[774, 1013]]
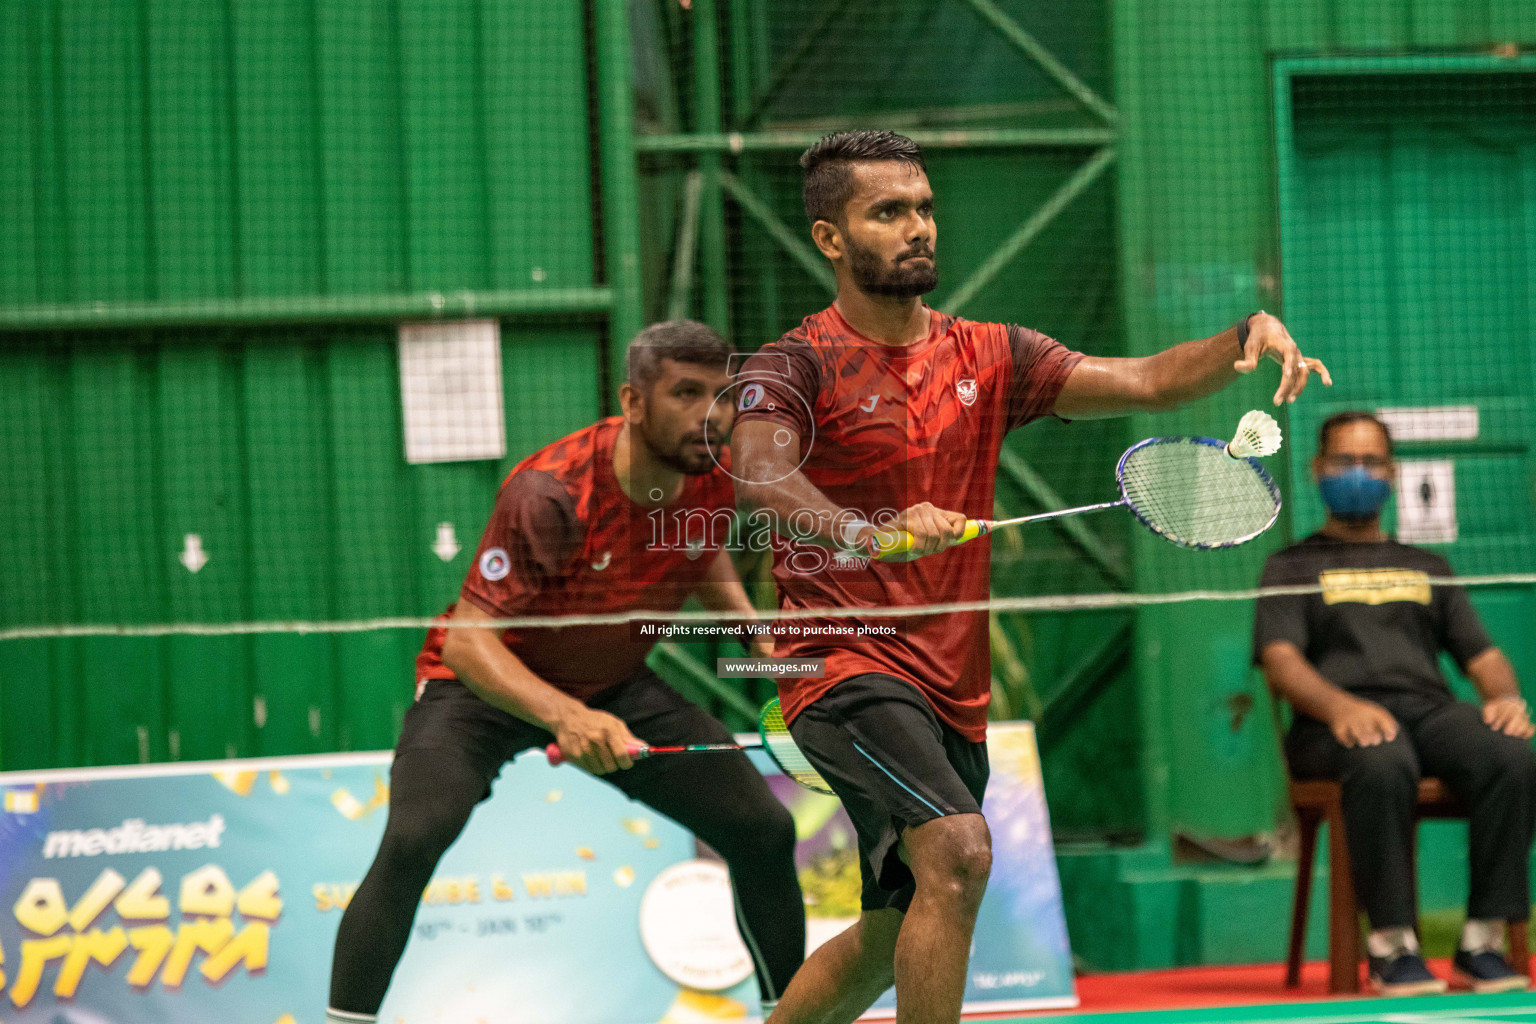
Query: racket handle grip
[[557, 756], [889, 543]]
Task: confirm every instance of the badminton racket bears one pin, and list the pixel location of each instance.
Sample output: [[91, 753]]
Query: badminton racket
[[773, 735], [1188, 490]]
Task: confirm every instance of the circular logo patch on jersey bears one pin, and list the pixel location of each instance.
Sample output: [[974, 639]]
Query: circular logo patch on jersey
[[750, 396], [494, 564]]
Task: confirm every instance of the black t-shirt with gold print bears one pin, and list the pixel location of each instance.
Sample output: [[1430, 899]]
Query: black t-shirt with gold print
[[1378, 627]]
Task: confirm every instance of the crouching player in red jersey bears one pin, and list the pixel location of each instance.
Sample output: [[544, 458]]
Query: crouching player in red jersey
[[881, 404], [572, 533]]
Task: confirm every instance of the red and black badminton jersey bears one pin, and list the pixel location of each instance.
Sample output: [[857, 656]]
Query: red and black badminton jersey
[[883, 428], [564, 539]]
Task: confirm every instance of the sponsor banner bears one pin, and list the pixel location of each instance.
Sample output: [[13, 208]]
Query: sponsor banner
[[182, 894]]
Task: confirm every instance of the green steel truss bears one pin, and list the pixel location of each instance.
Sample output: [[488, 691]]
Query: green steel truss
[[701, 236]]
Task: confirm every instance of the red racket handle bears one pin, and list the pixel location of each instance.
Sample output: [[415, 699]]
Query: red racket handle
[[557, 756]]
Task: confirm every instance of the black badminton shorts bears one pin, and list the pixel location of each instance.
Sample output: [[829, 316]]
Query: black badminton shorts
[[894, 765]]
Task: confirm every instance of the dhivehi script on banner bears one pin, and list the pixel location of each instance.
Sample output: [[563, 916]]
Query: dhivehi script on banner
[[183, 894]]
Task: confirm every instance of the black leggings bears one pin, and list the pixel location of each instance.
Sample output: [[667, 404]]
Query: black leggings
[[452, 746]]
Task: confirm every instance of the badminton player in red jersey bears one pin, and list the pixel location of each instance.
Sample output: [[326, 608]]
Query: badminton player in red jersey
[[629, 513], [879, 411]]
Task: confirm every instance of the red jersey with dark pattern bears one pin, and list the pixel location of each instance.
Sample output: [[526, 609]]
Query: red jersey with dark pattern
[[882, 428], [564, 539]]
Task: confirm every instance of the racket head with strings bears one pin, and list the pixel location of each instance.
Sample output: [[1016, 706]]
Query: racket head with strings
[[785, 753], [1189, 491]]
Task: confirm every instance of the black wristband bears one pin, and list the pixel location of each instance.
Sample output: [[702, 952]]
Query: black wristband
[[1242, 334]]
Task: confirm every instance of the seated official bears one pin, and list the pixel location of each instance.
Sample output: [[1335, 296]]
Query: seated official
[[1359, 662]]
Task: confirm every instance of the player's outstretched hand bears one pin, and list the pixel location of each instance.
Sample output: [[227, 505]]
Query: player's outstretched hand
[[596, 740], [1267, 336], [933, 529]]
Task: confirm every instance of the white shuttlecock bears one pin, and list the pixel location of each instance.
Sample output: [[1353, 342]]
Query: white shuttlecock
[[1258, 435]]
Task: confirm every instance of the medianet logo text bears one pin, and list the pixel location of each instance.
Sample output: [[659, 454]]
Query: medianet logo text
[[133, 836]]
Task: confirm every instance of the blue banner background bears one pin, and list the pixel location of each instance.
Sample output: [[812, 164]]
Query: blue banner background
[[532, 917]]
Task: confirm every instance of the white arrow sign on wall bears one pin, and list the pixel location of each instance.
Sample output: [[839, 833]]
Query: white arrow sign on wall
[[446, 545], [192, 554]]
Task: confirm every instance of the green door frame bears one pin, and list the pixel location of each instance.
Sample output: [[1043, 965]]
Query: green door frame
[[1285, 71]]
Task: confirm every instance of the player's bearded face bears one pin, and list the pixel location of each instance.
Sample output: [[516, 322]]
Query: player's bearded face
[[914, 271], [889, 231], [685, 427]]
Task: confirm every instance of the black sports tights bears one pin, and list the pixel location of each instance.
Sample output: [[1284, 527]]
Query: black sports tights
[[721, 798]]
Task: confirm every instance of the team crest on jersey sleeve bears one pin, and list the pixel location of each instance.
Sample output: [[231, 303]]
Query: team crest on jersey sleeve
[[494, 564], [751, 395], [966, 390]]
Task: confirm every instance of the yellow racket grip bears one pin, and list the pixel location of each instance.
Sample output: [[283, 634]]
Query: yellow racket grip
[[893, 543]]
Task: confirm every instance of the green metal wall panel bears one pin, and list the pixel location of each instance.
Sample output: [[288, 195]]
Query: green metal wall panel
[[188, 151], [291, 534], [202, 492], [38, 712], [113, 513], [282, 450], [369, 478], [100, 120], [443, 130], [195, 150], [18, 159], [362, 156], [539, 172], [1437, 22], [277, 203]]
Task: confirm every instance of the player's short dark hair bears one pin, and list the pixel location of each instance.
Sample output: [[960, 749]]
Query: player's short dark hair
[[1344, 419], [828, 166], [684, 341]]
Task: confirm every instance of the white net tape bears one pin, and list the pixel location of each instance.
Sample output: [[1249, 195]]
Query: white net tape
[[1052, 603]]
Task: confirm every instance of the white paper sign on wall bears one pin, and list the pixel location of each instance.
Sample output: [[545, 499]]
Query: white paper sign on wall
[[1426, 501], [450, 390], [1431, 422]]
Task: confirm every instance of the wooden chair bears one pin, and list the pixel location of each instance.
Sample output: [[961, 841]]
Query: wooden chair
[[1316, 803]]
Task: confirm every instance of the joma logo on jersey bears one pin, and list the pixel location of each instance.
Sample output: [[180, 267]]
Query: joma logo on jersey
[[966, 389]]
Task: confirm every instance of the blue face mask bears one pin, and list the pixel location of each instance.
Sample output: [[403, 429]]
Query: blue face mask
[[1354, 494]]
